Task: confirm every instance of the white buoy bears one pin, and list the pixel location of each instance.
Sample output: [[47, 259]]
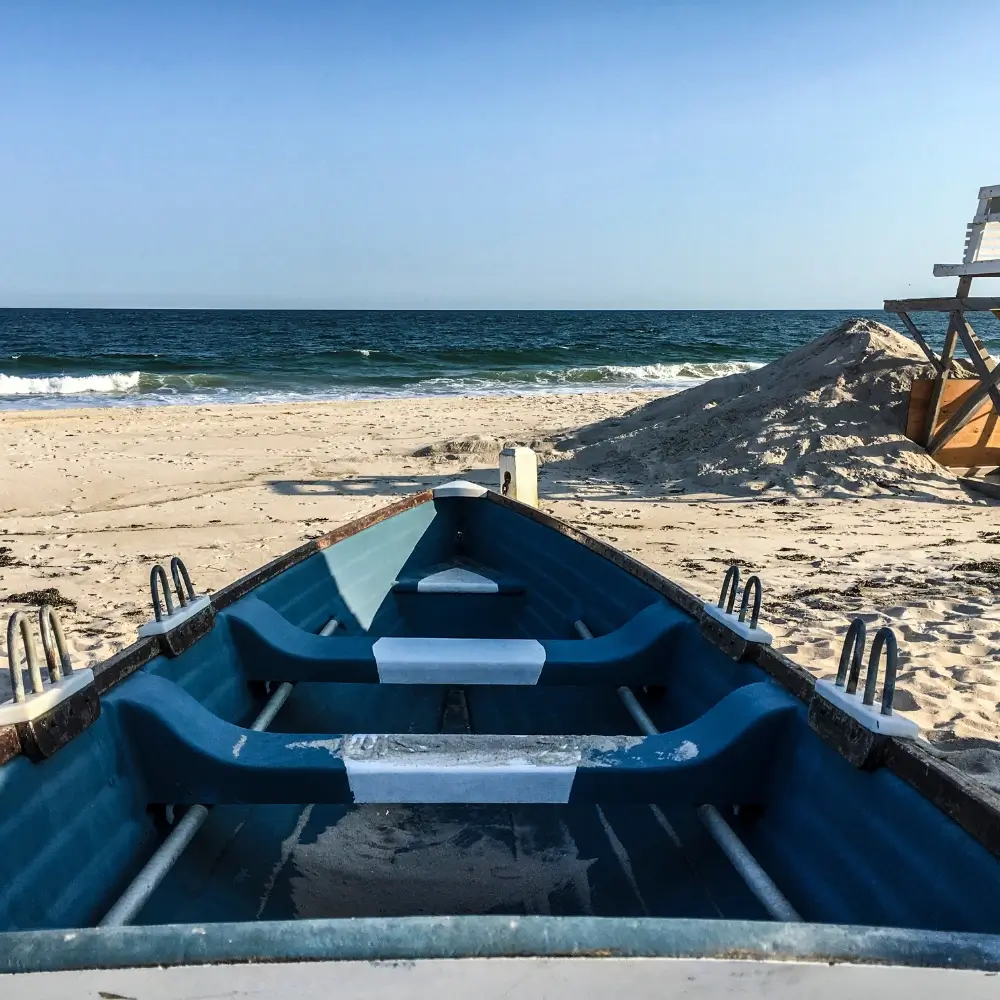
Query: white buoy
[[519, 475]]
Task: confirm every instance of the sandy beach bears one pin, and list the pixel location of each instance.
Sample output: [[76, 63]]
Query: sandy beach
[[92, 497]]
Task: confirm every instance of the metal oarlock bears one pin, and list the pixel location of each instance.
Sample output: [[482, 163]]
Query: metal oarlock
[[851, 655], [17, 625], [730, 629], [69, 702], [176, 625], [54, 644], [834, 699], [730, 585], [157, 584], [758, 595], [159, 589], [182, 581], [885, 638]]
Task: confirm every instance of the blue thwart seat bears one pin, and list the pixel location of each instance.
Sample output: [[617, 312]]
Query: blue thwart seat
[[457, 578], [273, 649], [189, 755]]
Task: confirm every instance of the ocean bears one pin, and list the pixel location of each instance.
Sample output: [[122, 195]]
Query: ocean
[[117, 357]]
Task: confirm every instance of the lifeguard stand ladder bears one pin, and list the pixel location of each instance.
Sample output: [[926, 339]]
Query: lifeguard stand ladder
[[981, 260]]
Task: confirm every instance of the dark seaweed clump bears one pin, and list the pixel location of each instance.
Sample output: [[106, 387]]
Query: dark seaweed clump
[[979, 566], [49, 596], [7, 558]]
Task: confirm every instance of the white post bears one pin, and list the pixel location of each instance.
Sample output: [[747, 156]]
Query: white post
[[519, 475]]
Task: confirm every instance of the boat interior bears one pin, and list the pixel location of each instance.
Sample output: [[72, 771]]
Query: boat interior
[[459, 710]]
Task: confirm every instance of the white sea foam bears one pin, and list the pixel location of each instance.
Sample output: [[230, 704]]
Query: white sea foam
[[666, 376], [158, 389], [694, 371], [67, 385]]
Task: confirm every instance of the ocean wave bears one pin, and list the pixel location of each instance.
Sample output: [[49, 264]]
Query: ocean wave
[[115, 383], [386, 380], [673, 376], [68, 385], [700, 371], [172, 383]]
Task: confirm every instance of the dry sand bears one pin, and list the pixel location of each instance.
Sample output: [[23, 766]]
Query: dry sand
[[826, 420], [798, 471]]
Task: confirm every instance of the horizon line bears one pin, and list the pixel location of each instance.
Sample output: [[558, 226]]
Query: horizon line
[[490, 309]]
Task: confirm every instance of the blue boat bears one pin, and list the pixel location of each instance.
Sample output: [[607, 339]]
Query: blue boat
[[458, 729]]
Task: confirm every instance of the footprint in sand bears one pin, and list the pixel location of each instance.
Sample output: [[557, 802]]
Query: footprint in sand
[[912, 635], [975, 610], [904, 701]]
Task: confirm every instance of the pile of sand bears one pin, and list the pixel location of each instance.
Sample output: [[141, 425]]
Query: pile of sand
[[479, 446], [827, 418]]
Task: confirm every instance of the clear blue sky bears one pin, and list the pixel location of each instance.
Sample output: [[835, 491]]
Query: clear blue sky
[[504, 154]]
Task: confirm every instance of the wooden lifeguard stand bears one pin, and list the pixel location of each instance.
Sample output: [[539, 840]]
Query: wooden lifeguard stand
[[981, 260]]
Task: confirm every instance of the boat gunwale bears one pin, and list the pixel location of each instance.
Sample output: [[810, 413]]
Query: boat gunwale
[[407, 939], [972, 805]]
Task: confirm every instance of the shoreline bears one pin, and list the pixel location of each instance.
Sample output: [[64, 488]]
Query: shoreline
[[132, 407], [95, 495]]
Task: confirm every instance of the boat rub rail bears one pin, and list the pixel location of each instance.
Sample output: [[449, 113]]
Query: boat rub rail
[[408, 939]]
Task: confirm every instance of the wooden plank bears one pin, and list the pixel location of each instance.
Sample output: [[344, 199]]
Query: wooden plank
[[921, 343], [980, 359], [934, 407], [960, 303], [950, 342], [916, 414], [978, 269], [976, 445], [964, 412], [989, 242], [980, 346]]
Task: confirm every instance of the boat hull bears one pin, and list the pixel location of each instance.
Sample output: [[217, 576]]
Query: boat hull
[[490, 957], [466, 862]]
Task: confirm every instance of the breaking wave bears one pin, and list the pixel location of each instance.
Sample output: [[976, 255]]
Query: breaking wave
[[149, 388], [660, 373], [68, 385]]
